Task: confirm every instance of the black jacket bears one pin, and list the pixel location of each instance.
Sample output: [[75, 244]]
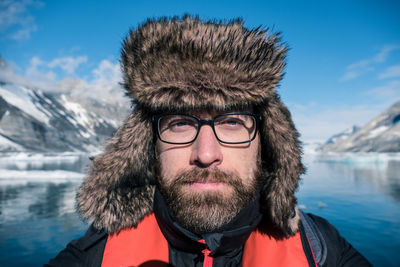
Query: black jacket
[[321, 243]]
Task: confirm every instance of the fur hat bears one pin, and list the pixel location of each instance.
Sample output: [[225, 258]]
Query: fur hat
[[182, 64]]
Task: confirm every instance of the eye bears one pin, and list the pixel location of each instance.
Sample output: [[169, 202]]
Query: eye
[[181, 124], [230, 122], [178, 123]]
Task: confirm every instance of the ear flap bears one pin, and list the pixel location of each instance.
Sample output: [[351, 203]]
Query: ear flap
[[282, 167], [119, 189]]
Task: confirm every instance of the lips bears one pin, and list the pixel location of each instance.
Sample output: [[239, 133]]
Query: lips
[[209, 179], [207, 185], [203, 176]]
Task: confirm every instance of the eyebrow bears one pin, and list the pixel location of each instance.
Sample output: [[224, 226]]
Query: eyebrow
[[214, 113]]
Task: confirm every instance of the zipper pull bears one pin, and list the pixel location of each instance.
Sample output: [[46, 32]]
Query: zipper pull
[[208, 260]]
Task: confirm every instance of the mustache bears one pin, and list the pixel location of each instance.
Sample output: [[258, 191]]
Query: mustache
[[206, 176]]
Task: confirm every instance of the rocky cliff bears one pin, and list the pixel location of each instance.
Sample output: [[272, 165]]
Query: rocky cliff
[[31, 120], [381, 134]]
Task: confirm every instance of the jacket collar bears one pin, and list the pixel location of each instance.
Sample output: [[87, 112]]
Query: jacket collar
[[231, 237]]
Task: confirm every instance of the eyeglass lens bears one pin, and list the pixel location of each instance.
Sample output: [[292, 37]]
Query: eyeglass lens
[[232, 128]]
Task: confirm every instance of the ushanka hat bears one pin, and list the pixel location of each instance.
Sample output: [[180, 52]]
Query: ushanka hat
[[177, 64]]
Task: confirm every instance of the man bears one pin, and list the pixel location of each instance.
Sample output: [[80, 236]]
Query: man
[[203, 172]]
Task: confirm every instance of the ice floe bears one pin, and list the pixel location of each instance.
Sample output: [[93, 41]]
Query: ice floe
[[17, 177]]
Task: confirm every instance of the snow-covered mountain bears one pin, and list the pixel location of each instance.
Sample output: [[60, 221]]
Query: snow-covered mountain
[[339, 137], [32, 120], [382, 134]]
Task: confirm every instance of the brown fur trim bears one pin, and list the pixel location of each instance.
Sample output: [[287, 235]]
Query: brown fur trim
[[188, 64], [282, 167], [119, 189], [182, 64]]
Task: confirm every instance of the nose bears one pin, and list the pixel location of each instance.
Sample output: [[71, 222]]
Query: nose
[[206, 150]]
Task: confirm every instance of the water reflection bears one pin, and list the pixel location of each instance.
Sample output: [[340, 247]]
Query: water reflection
[[381, 172], [39, 185], [50, 203], [37, 206], [36, 200], [359, 195]]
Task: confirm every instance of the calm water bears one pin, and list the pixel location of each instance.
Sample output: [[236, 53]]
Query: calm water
[[359, 195]]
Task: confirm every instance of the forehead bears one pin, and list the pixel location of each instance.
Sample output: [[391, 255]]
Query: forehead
[[213, 112]]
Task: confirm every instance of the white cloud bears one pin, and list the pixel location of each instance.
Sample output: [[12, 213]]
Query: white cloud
[[361, 67], [16, 20], [106, 82], [389, 92], [24, 33], [68, 64], [383, 54], [355, 70], [107, 71], [320, 123], [43, 73], [103, 83], [391, 72], [7, 74], [38, 76]]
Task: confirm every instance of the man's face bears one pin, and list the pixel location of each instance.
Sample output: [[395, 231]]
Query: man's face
[[206, 183]]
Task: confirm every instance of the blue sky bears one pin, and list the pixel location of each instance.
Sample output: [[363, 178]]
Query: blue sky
[[343, 67]]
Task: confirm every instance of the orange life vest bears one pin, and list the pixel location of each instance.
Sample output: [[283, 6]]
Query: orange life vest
[[147, 246]]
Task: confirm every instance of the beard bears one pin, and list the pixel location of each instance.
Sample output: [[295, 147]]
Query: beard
[[204, 211]]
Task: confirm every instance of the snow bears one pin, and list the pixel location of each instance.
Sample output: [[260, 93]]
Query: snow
[[376, 132], [23, 168], [310, 147], [80, 116], [339, 138], [6, 144], [62, 113], [21, 98], [72, 121], [44, 110], [31, 156], [77, 109], [37, 161], [114, 123], [17, 177], [365, 159], [46, 99], [348, 144], [93, 150], [84, 134]]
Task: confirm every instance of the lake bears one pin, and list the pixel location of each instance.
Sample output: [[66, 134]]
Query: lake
[[359, 194]]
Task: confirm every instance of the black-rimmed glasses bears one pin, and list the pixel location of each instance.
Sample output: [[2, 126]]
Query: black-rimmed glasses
[[229, 128]]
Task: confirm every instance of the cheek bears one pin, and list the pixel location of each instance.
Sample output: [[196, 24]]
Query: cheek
[[172, 161], [245, 164], [245, 161]]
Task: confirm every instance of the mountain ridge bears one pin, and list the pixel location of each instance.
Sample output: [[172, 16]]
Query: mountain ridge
[[33, 120], [381, 134]]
